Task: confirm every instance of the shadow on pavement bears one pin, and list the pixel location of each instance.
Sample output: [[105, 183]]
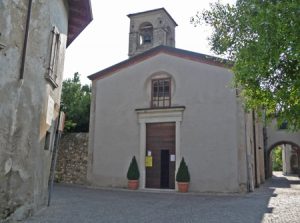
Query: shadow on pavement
[[86, 205], [281, 181]]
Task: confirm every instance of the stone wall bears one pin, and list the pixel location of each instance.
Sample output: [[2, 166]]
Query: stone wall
[[29, 101], [71, 164]]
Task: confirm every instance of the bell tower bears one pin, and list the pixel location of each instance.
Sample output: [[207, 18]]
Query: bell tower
[[150, 29]]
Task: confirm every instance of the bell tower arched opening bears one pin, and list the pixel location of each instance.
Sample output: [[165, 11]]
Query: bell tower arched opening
[[146, 33], [150, 29]]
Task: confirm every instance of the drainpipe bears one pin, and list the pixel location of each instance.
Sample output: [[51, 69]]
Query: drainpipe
[[298, 156], [254, 145], [265, 138], [247, 159], [57, 132], [25, 40]]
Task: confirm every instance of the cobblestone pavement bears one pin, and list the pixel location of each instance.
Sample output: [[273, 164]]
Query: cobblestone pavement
[[278, 200]]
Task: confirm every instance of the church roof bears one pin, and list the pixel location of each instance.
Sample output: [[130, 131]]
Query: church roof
[[80, 15], [185, 54], [153, 10]]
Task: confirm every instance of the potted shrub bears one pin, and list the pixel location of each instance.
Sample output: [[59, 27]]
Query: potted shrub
[[133, 175], [183, 177]]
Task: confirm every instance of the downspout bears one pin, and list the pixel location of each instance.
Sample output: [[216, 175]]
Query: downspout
[[265, 137], [247, 159], [25, 40], [254, 145], [13, 126], [298, 156], [57, 132]]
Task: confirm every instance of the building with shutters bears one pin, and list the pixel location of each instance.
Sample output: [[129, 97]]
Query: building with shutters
[[33, 38]]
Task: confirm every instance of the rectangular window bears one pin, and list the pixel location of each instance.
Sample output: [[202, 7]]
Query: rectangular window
[[161, 93], [284, 125], [51, 75], [47, 141]]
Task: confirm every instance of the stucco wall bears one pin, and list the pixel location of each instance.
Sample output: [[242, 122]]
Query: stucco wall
[[209, 129], [254, 148], [71, 164], [278, 136], [24, 164]]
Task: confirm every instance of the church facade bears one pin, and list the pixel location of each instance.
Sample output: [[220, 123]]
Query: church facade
[[165, 103]]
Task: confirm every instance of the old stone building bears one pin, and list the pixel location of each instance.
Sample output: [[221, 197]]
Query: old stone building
[[167, 103], [290, 159], [33, 37], [290, 145]]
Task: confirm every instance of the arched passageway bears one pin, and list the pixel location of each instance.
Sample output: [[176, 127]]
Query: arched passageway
[[289, 157]]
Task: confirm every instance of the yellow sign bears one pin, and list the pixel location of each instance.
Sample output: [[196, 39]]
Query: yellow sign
[[148, 161]]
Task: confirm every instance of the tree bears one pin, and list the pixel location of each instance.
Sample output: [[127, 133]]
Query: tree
[[75, 102], [277, 159], [261, 37]]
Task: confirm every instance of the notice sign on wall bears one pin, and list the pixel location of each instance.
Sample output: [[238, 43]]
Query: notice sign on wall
[[172, 158], [148, 161], [50, 111]]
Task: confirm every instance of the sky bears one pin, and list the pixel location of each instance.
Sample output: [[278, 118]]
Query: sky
[[104, 42]]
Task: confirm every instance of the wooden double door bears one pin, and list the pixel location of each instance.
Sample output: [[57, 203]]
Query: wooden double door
[[160, 146]]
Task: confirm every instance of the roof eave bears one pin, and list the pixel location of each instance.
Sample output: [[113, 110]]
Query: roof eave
[[215, 61], [80, 15]]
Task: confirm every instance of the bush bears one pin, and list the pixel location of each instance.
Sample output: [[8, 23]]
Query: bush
[[277, 159], [183, 174], [133, 170]]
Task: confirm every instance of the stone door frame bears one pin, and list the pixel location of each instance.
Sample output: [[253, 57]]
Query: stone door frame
[[160, 142], [145, 116]]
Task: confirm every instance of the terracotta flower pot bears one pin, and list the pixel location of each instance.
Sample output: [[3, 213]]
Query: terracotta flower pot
[[133, 184], [183, 186]]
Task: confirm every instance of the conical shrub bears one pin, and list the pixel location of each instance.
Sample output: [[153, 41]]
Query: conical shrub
[[183, 174], [133, 170]]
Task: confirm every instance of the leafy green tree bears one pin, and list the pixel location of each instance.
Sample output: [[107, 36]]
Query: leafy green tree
[[75, 102], [262, 38], [277, 159]]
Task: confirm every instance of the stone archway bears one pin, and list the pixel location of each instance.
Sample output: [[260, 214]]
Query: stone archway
[[294, 165]]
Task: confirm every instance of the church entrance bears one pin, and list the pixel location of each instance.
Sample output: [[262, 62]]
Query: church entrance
[[160, 151]]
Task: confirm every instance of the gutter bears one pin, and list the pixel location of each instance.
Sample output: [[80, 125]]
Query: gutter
[[25, 40]]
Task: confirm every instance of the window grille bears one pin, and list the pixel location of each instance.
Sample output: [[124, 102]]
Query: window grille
[[161, 93]]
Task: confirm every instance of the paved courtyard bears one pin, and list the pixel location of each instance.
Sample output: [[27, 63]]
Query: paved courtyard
[[278, 200]]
